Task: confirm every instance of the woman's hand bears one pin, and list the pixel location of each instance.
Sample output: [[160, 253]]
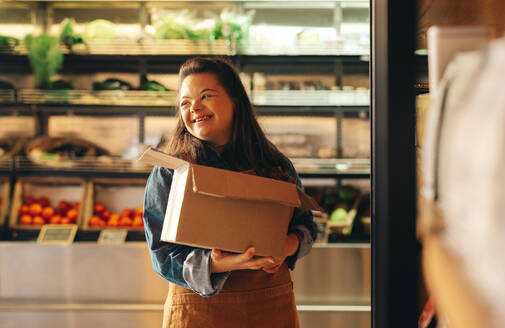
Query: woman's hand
[[222, 261], [290, 248]]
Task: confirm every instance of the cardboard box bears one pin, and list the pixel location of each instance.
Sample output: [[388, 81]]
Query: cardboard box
[[215, 208]]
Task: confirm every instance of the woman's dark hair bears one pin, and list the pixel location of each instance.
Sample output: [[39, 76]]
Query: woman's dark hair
[[248, 148]]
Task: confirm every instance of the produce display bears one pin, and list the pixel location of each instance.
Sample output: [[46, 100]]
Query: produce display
[[151, 85], [337, 202], [11, 146], [41, 211], [60, 151], [45, 58], [112, 84], [309, 85], [177, 25], [99, 29], [128, 218], [67, 36], [8, 43], [346, 197]]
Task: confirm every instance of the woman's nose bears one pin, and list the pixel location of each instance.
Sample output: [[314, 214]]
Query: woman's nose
[[195, 106]]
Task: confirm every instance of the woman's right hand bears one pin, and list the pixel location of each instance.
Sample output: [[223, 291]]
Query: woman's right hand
[[222, 261]]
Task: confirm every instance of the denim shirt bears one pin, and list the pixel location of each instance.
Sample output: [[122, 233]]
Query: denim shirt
[[190, 267]]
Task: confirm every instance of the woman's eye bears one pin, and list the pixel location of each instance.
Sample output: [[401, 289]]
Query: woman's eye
[[206, 96]]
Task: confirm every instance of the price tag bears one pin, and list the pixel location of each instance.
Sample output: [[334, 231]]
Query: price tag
[[57, 234], [112, 236], [322, 230]]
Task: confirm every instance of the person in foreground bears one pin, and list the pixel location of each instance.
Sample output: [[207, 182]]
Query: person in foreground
[[212, 288]]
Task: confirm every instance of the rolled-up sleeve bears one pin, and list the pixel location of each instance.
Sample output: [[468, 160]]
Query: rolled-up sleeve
[[303, 226], [185, 266]]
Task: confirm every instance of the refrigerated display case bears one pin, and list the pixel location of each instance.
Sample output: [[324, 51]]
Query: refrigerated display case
[[305, 65]]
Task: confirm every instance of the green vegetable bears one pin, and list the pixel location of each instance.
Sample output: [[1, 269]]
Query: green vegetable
[[151, 85], [61, 85], [203, 34], [170, 29], [99, 29], [67, 36], [45, 57], [233, 26], [8, 43], [338, 215], [112, 84]]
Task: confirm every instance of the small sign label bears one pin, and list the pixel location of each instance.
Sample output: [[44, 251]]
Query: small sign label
[[322, 230], [57, 234], [112, 236]]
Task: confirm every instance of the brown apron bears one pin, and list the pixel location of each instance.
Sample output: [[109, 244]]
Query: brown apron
[[249, 298]]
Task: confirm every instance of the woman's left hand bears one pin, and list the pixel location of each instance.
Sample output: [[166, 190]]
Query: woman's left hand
[[290, 248]]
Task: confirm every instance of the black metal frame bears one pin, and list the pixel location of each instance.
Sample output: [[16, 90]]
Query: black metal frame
[[394, 257]]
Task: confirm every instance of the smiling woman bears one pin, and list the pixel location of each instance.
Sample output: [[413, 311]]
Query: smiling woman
[[206, 109], [212, 288]]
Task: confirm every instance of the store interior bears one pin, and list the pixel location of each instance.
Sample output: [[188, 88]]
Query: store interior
[[82, 102], [87, 86]]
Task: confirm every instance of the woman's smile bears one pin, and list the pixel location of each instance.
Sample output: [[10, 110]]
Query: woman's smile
[[202, 119]]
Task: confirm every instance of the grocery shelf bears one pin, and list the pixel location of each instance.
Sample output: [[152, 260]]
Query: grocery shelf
[[93, 167], [7, 96], [155, 47], [6, 164], [332, 166], [115, 166], [267, 101], [101, 97], [342, 245], [339, 305], [20, 305], [312, 48], [131, 47], [311, 98], [318, 111]]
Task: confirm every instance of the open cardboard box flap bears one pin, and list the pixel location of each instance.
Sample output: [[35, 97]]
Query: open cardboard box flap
[[224, 183], [158, 158]]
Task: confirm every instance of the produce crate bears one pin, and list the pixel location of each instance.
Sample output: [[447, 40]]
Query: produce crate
[[344, 227], [111, 200], [4, 199], [33, 196]]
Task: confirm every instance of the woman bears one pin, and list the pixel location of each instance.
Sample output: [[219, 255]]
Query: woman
[[211, 288]]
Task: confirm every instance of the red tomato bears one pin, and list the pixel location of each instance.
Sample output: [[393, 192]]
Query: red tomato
[[35, 209], [25, 219], [38, 220]]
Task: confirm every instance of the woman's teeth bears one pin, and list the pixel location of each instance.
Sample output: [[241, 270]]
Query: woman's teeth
[[202, 119]]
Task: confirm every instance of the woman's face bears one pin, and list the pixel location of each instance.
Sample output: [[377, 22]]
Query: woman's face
[[206, 108]]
